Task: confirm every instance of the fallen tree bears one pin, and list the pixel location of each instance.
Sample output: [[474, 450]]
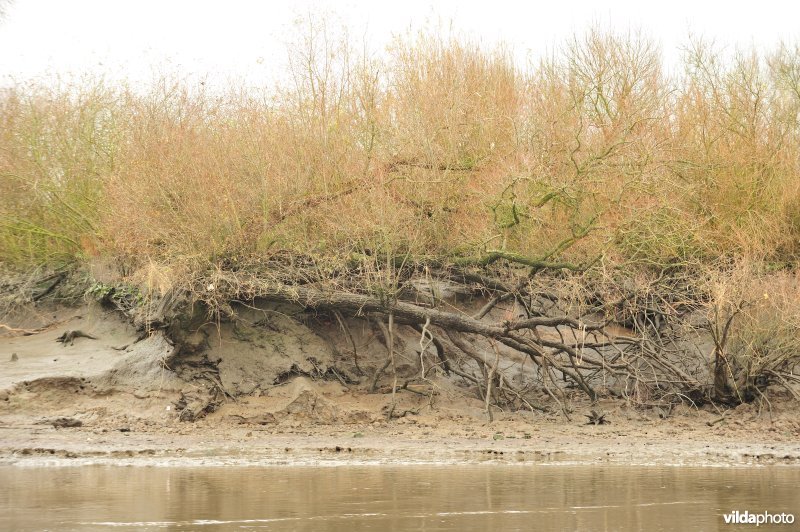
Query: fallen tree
[[570, 351]]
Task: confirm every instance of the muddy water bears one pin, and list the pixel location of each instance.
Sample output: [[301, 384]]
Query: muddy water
[[347, 498]]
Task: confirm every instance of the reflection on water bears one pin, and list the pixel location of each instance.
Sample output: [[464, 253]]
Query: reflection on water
[[485, 497]]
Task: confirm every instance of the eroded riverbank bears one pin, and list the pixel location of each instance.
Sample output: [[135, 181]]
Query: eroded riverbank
[[122, 399]]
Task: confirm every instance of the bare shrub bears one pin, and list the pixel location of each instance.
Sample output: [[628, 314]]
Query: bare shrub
[[753, 317]]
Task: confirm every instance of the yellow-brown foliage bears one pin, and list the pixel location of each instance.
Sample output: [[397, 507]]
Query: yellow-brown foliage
[[442, 149]]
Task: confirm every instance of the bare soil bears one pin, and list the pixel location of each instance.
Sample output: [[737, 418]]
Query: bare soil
[[125, 398]]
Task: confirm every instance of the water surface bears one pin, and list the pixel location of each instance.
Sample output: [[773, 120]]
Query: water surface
[[352, 498]]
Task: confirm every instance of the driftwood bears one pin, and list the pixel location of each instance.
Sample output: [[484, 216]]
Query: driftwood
[[28, 332], [261, 419], [68, 337], [596, 419]]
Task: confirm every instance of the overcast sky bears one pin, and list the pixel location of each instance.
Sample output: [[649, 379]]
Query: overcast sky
[[241, 39]]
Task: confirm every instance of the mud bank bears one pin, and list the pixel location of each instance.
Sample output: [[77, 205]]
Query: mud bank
[[283, 392], [333, 446]]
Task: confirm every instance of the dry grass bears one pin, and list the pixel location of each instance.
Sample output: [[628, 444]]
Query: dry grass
[[442, 150]]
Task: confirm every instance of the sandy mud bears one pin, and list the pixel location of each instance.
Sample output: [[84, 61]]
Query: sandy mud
[[282, 394]]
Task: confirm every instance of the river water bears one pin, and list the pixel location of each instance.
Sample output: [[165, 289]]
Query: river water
[[386, 498]]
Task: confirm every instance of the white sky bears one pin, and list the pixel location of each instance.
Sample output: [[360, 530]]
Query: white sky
[[247, 39]]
